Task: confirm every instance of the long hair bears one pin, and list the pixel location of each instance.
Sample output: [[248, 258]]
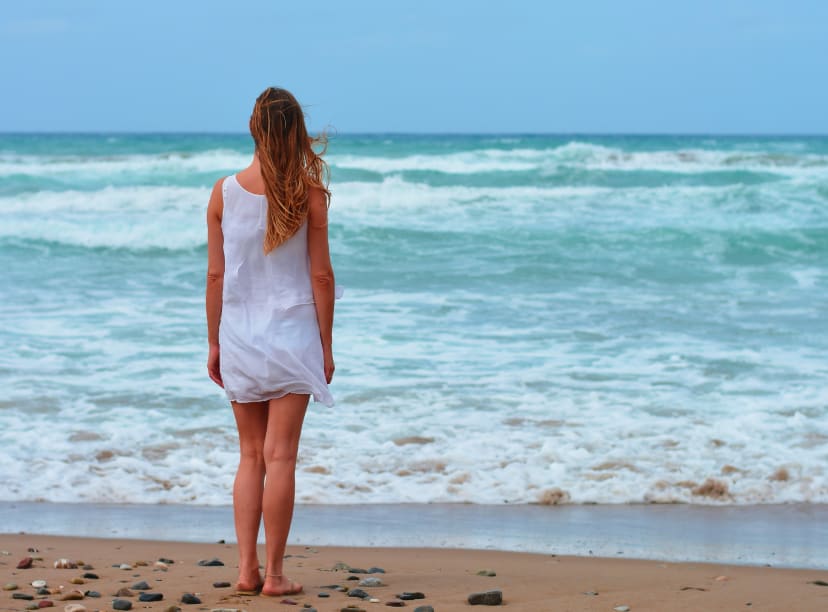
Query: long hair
[[289, 165]]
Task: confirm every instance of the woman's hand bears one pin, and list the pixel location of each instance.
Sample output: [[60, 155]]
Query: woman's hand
[[213, 368], [327, 355]]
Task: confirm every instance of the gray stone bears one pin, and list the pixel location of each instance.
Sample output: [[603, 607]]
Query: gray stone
[[370, 581], [423, 609], [621, 609], [214, 562], [150, 597], [486, 572], [221, 585], [93, 594], [376, 570], [90, 576], [323, 594], [487, 598], [122, 604], [189, 598], [406, 596], [25, 596], [141, 586], [124, 592], [358, 593]]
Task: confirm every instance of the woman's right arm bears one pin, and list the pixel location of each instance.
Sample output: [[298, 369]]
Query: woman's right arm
[[322, 275]]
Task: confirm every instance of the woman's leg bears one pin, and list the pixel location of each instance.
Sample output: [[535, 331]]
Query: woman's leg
[[251, 420], [284, 426]]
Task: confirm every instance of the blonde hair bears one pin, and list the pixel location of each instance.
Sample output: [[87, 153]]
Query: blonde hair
[[289, 165]]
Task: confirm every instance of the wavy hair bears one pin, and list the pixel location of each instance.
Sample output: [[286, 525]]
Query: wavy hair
[[289, 165]]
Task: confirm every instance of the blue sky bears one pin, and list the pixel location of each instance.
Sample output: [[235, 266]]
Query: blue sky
[[703, 66]]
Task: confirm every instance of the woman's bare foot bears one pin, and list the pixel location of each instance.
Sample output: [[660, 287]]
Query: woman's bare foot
[[277, 585], [250, 581]]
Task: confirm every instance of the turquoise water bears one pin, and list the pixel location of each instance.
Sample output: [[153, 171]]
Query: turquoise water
[[526, 319]]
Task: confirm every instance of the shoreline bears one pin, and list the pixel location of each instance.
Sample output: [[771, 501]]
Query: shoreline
[[444, 577], [781, 535]]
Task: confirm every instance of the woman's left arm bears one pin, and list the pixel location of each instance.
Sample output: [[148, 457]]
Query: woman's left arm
[[215, 279]]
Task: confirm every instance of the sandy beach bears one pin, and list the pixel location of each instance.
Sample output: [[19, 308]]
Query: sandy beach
[[446, 577]]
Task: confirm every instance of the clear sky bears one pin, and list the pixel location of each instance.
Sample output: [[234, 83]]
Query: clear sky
[[689, 66]]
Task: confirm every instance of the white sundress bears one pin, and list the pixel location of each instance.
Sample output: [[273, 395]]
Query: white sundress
[[268, 334]]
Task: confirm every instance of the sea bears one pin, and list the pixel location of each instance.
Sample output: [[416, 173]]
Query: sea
[[526, 319]]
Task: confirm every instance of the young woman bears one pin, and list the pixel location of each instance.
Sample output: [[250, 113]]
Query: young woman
[[270, 304]]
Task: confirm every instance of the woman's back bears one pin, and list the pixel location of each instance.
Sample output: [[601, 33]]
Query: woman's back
[[278, 279]]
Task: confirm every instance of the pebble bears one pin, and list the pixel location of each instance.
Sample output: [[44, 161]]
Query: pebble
[[150, 597], [43, 591], [721, 578], [122, 604], [124, 592], [74, 608], [92, 594], [32, 606], [10, 586], [222, 610], [38, 584], [172, 609], [591, 593], [65, 564], [486, 572], [78, 581], [357, 570], [621, 609], [141, 564], [358, 593], [210, 563], [323, 594], [124, 566], [25, 563], [221, 585], [352, 578], [87, 567], [289, 602], [165, 560], [45, 603], [376, 570], [395, 603], [141, 586], [423, 609], [406, 596], [339, 565], [374, 600], [160, 565], [25, 596], [352, 609], [90, 576], [71, 595], [370, 581], [189, 598], [487, 598], [5, 553]]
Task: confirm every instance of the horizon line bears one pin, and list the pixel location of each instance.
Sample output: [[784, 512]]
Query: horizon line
[[334, 134]]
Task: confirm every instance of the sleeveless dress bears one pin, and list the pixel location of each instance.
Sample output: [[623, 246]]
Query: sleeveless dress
[[268, 332]]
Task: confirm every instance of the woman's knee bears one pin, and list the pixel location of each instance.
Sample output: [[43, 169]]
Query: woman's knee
[[280, 453], [252, 451]]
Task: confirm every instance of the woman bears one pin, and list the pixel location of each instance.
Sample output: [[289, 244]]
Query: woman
[[270, 303]]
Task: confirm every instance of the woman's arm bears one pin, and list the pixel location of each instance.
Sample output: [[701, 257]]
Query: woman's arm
[[215, 279], [322, 275]]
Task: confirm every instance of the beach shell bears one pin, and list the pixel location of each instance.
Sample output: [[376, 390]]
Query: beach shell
[[74, 608], [71, 595], [160, 565], [64, 564], [38, 584]]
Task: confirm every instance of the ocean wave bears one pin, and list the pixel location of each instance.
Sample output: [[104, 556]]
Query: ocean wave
[[590, 156], [102, 166], [170, 217]]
